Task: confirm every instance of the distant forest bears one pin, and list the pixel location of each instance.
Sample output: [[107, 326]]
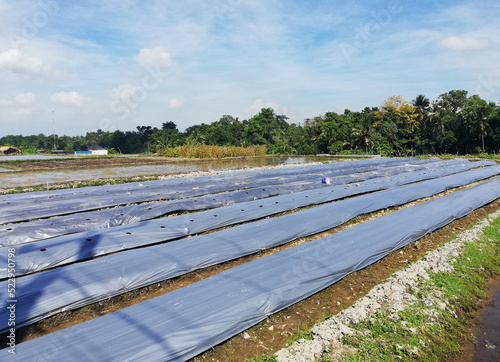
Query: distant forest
[[454, 123]]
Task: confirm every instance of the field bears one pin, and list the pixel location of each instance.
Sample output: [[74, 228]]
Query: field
[[241, 264], [87, 163]]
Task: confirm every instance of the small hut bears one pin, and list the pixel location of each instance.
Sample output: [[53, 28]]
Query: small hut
[[8, 150]]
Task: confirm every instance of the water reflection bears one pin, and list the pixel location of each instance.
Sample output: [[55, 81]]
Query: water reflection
[[22, 179]]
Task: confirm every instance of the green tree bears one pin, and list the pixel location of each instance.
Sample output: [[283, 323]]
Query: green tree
[[169, 125], [476, 116], [266, 127], [363, 132], [422, 108], [165, 138]]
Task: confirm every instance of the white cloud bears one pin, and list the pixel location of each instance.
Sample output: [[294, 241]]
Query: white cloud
[[25, 99], [14, 62], [175, 103], [68, 98], [154, 57], [123, 92], [464, 43], [19, 107], [21, 99]]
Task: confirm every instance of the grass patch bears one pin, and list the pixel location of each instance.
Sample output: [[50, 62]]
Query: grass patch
[[482, 156], [10, 167], [301, 334], [263, 358], [324, 317], [436, 326]]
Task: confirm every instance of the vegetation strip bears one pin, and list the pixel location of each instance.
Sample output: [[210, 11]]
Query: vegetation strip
[[204, 151], [455, 123], [421, 312]]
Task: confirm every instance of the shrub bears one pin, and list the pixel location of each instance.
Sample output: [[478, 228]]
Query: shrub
[[205, 151]]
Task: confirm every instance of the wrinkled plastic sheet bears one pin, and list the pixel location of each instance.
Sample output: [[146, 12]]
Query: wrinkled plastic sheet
[[62, 250], [181, 324], [11, 234], [77, 285], [14, 208], [26, 232]]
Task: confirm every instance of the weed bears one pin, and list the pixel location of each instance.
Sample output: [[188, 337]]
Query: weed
[[263, 358], [301, 334], [10, 167], [324, 317]]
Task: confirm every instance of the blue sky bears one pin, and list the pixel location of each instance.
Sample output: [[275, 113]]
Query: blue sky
[[117, 64]]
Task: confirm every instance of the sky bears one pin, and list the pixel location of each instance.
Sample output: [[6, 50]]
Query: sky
[[77, 66]]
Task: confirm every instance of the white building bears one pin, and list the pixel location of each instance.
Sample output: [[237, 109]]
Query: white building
[[93, 150]]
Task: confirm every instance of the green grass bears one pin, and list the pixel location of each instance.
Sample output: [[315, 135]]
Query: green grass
[[324, 317], [426, 332], [301, 334], [263, 358], [483, 156], [11, 167]]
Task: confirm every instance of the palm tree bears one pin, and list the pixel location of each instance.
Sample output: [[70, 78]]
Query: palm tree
[[422, 108], [483, 121], [438, 117], [363, 132], [310, 133], [328, 134]]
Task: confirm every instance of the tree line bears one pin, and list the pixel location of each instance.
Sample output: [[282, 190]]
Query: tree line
[[454, 123]]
